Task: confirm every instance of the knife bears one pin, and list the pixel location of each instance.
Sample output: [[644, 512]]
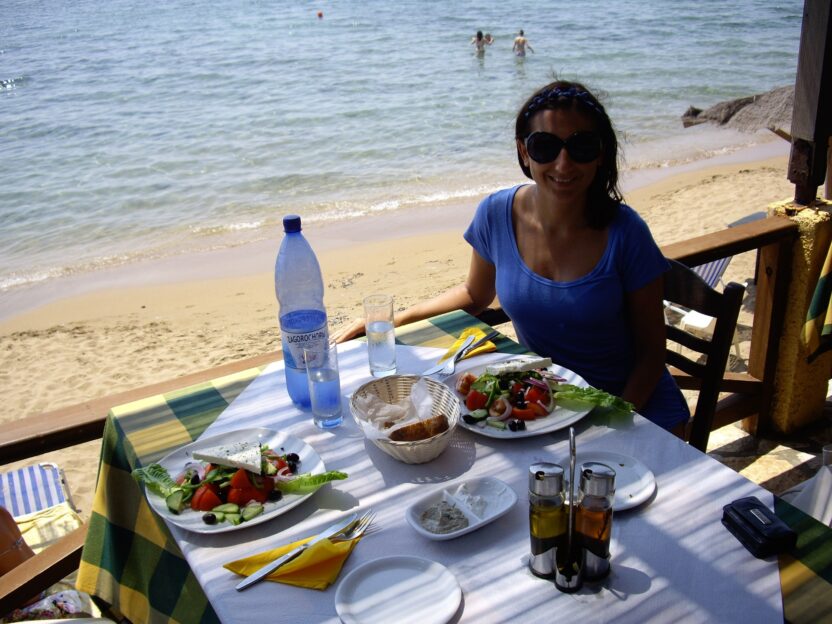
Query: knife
[[480, 342], [441, 365], [267, 569]]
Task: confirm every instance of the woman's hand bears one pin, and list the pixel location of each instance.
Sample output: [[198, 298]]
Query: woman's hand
[[349, 331]]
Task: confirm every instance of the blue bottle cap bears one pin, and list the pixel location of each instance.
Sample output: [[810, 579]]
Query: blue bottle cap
[[291, 224]]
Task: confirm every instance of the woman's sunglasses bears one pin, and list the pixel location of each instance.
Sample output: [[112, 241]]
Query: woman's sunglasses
[[582, 147]]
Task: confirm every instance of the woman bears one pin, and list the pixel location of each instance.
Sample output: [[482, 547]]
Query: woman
[[480, 42], [575, 268]]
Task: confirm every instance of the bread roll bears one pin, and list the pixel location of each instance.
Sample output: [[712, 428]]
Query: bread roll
[[421, 430]]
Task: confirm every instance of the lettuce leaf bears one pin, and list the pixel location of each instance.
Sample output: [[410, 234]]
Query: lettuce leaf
[[306, 483], [593, 396], [156, 479]]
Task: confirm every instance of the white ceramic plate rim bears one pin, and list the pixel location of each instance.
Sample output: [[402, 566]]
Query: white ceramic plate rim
[[560, 418], [190, 520], [634, 481], [430, 609], [506, 502]]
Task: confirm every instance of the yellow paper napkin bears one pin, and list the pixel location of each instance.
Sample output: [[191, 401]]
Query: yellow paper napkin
[[316, 568], [485, 347]]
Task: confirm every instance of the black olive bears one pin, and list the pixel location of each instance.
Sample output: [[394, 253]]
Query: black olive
[[516, 424], [209, 518], [293, 466], [293, 457], [195, 479], [275, 495]]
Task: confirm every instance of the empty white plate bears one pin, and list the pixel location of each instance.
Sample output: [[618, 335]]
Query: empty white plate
[[634, 482], [398, 589]]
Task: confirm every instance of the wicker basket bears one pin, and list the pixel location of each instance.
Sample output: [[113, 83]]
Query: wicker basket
[[395, 387]]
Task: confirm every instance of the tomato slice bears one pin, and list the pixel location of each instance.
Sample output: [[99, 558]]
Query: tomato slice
[[476, 400], [242, 496], [523, 413], [240, 480], [538, 409], [534, 394], [206, 497]]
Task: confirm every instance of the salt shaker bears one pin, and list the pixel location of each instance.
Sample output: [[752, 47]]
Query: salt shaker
[[593, 521], [547, 517]]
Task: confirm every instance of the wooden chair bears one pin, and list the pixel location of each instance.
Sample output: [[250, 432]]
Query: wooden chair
[[683, 286]]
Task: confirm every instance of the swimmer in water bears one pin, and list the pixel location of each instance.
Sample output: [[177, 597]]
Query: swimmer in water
[[480, 42], [520, 45]]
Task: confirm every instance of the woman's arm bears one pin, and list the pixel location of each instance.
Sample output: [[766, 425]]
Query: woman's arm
[[646, 314], [473, 296]]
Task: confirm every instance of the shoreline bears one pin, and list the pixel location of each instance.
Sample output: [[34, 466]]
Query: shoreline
[[251, 258]]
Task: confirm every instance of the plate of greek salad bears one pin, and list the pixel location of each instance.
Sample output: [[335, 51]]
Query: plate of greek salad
[[233, 480], [523, 397]]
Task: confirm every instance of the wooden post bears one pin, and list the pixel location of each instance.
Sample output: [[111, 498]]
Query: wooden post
[[812, 114]]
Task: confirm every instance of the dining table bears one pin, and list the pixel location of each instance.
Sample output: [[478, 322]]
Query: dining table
[[672, 559]]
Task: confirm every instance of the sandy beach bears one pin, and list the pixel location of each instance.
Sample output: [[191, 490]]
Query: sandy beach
[[153, 322]]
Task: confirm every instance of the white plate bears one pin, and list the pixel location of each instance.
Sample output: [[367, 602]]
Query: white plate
[[634, 482], [496, 498], [175, 462], [560, 418], [398, 589]]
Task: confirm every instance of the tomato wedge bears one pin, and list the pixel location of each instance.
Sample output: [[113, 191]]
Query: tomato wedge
[[538, 409], [523, 413], [206, 497], [242, 496], [534, 394], [476, 400]]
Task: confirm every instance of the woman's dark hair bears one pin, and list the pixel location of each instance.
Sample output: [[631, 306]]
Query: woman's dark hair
[[479, 34], [604, 195]]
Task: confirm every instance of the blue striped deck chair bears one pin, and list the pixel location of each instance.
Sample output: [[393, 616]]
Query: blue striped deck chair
[[33, 488]]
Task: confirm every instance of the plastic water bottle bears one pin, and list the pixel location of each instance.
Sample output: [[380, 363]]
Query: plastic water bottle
[[300, 293]]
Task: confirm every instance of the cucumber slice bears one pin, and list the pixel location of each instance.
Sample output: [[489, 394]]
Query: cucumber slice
[[233, 518], [176, 501], [227, 508], [497, 424], [250, 511]]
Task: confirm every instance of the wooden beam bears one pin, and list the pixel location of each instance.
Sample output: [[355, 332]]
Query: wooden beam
[[812, 111], [732, 241]]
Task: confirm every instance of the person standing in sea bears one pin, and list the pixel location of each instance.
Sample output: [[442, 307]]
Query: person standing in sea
[[520, 45], [480, 42], [575, 268]]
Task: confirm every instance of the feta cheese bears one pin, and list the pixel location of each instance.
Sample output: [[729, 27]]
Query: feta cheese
[[237, 455], [518, 366]]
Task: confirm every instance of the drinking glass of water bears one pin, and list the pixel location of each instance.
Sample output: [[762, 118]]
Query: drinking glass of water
[[381, 337], [324, 385]]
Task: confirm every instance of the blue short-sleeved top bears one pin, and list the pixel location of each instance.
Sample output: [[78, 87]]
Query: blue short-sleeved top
[[581, 324]]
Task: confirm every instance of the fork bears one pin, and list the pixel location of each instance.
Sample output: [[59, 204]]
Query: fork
[[357, 529], [450, 365]]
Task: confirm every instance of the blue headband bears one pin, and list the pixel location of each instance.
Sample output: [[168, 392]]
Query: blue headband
[[549, 95]]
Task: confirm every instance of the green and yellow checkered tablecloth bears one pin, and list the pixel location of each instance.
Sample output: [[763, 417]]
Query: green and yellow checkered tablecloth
[[131, 562]]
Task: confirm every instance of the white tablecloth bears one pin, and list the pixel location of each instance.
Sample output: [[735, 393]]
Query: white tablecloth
[[672, 560]]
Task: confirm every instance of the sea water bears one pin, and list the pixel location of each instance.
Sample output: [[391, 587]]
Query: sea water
[[325, 392], [166, 127], [381, 348]]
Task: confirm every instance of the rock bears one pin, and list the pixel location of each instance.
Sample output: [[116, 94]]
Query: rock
[[769, 110]]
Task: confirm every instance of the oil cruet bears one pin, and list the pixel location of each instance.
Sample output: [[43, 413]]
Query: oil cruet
[[547, 517], [593, 522]]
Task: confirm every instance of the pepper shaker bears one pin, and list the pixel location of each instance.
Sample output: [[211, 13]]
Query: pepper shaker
[[547, 517], [593, 522]]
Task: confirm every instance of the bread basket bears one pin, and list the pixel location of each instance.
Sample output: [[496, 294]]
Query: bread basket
[[395, 387]]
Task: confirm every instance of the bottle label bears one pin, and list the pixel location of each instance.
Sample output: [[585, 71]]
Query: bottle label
[[298, 336]]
